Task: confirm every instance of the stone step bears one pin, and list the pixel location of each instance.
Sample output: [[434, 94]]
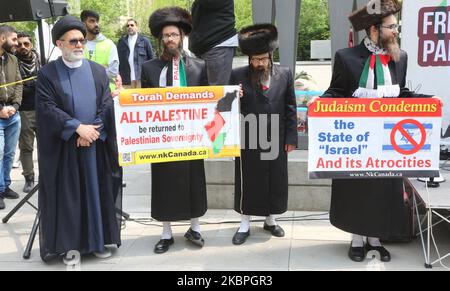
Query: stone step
[[304, 194]]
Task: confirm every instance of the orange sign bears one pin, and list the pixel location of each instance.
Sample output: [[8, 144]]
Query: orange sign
[[176, 95]]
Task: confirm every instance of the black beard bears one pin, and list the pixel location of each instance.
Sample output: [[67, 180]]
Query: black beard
[[174, 53], [259, 75], [169, 54], [95, 31], [23, 54], [8, 48]]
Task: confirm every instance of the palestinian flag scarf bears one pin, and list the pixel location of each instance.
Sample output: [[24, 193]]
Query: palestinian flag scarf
[[376, 68], [177, 74]]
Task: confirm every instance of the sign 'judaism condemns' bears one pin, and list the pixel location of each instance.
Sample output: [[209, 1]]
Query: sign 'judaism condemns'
[[374, 138], [177, 124]]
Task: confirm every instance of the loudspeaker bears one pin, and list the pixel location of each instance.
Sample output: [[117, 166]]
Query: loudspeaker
[[30, 10]]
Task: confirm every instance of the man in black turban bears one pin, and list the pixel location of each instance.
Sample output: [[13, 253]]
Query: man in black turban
[[80, 179]]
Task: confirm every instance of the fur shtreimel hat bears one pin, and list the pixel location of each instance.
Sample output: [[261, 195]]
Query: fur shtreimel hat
[[258, 39], [170, 16], [65, 24], [373, 13]]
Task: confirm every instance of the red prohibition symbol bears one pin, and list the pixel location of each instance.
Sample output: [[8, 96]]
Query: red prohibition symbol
[[416, 146]]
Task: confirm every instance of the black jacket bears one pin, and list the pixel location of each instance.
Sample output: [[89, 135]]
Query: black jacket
[[348, 66], [143, 52], [178, 188], [263, 189], [195, 72], [213, 22], [9, 73], [368, 207]]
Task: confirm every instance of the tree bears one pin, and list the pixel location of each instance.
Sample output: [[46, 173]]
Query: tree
[[110, 12], [314, 25]]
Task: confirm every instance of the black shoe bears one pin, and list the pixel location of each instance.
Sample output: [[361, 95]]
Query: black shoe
[[29, 184], [163, 245], [385, 256], [356, 254], [194, 237], [275, 230], [2, 204], [10, 194], [240, 237]]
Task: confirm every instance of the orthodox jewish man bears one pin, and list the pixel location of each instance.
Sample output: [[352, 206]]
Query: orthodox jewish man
[[80, 179], [376, 68], [261, 175], [178, 188]]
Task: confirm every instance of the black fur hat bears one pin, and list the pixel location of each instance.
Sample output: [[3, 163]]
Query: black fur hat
[[170, 16], [258, 39], [364, 18]]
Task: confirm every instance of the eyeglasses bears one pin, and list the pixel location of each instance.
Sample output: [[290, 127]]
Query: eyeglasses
[[392, 26], [260, 60], [24, 44], [171, 35], [74, 42]]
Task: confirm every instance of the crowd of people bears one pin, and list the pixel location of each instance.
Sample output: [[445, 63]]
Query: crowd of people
[[68, 105]]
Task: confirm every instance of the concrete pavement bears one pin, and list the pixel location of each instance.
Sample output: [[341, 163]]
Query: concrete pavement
[[311, 243]]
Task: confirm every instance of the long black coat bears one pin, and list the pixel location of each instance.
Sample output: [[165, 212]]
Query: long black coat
[[369, 207], [263, 189], [178, 188], [61, 189]]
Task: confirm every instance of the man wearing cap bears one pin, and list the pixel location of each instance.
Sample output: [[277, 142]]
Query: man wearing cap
[[373, 208], [80, 179], [261, 183], [178, 188]]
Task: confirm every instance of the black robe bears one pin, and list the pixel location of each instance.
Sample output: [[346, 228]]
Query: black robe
[[263, 189], [62, 196], [178, 188], [368, 207]]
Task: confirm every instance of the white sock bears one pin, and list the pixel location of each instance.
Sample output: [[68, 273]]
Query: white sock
[[167, 230], [195, 224], [374, 241], [357, 241], [270, 220], [245, 223]]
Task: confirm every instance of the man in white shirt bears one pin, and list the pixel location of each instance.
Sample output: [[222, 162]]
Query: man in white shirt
[[134, 50]]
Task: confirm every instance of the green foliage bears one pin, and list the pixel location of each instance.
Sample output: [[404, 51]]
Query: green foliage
[[243, 12], [27, 27], [110, 12], [314, 25]]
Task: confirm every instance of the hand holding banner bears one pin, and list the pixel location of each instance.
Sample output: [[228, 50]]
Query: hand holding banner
[[374, 138], [177, 124]]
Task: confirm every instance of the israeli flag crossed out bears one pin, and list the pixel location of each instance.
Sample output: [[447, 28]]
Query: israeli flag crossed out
[[402, 141]]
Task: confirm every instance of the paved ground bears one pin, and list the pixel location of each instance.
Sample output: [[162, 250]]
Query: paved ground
[[309, 244]]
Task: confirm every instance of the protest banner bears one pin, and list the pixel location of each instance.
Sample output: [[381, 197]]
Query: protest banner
[[177, 124], [370, 138]]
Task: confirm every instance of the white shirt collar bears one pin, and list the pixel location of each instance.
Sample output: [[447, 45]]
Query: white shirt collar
[[73, 65]]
